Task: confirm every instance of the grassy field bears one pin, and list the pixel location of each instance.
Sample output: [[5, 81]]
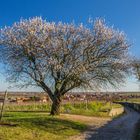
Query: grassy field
[[38, 126], [96, 108], [33, 122], [134, 100]]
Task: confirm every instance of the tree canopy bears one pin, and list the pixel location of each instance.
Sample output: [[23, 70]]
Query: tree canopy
[[59, 57]]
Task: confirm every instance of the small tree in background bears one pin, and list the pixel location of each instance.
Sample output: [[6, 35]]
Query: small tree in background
[[136, 67], [60, 57]]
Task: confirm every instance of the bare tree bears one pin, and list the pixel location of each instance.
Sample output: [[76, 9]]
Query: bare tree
[[136, 67], [59, 57]]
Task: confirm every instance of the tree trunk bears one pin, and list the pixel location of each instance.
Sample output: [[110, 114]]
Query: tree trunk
[[55, 109]]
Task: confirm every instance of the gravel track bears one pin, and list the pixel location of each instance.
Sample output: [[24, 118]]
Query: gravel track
[[121, 128]]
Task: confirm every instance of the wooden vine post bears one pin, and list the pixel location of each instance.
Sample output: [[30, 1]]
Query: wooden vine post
[[2, 108]]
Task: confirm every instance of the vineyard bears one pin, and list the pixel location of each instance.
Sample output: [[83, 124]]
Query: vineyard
[[95, 108]]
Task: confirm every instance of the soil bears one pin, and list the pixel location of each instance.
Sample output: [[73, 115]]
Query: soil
[[121, 128]]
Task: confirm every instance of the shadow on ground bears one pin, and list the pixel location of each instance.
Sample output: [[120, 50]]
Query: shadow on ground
[[50, 124], [121, 128]]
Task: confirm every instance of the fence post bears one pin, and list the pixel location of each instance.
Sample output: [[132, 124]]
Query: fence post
[[86, 104], [2, 108]]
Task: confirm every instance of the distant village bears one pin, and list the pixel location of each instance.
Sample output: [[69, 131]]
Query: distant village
[[26, 97]]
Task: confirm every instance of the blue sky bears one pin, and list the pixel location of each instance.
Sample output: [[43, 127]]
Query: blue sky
[[123, 14]]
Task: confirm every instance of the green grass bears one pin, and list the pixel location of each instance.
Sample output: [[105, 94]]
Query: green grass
[[33, 123], [38, 126], [28, 107], [96, 108], [133, 100], [91, 109]]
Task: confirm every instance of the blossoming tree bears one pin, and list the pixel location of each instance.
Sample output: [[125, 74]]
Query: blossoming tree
[[59, 57]]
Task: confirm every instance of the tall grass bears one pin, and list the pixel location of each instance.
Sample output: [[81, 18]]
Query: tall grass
[[28, 107], [96, 108]]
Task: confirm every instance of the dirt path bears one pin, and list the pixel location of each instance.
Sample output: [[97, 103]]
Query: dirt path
[[118, 129]]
